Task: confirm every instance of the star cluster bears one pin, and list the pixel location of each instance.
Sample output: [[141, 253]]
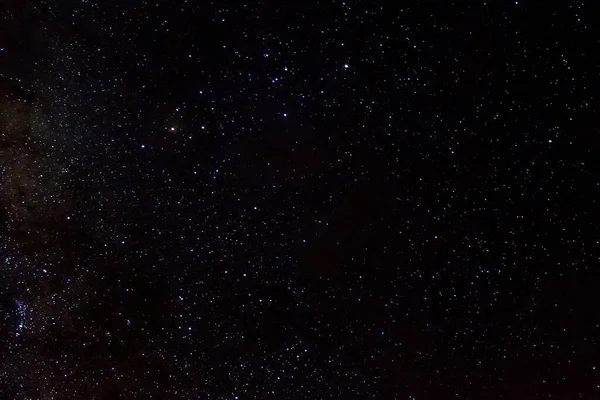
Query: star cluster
[[330, 200]]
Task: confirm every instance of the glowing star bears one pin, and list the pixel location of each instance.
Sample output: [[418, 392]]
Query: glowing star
[[172, 129]]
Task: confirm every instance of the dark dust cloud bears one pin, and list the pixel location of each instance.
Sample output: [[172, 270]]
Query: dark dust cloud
[[330, 200]]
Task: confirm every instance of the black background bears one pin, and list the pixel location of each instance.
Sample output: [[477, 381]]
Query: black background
[[289, 200]]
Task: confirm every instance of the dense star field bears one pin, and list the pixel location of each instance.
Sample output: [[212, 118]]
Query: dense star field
[[299, 200]]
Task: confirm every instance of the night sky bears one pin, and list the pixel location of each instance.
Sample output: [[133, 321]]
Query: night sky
[[299, 200]]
